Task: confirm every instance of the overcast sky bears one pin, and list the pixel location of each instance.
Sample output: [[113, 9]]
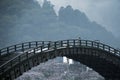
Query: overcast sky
[[104, 12]]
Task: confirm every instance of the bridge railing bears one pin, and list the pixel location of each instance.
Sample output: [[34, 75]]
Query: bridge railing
[[19, 58], [56, 45], [21, 47], [88, 43]]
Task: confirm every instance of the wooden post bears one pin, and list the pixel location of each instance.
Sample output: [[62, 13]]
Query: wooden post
[[61, 43], [67, 43], [97, 45], [55, 51], [115, 51], [67, 46], [92, 43], [103, 47], [73, 47], [41, 48], [43, 44], [15, 47], [48, 46], [29, 44], [27, 55], [80, 42], [22, 46], [109, 49], [55, 45], [86, 43], [74, 43], [0, 53], [7, 49], [36, 43], [34, 50]]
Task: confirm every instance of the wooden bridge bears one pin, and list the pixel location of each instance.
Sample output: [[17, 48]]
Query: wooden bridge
[[17, 59]]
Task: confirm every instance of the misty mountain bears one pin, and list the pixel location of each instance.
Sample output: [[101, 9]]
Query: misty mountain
[[10, 13], [73, 17], [26, 20], [90, 30]]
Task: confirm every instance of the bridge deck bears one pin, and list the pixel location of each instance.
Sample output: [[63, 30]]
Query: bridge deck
[[46, 50]]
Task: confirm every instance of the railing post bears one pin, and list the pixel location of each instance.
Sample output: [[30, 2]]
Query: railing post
[[34, 50], [54, 45], [97, 45], [36, 44], [48, 46], [41, 48], [67, 43], [109, 49], [7, 49], [92, 44], [86, 42], [103, 47], [79, 42], [15, 47], [27, 55], [74, 43], [0, 53], [29, 44], [115, 51], [22, 46], [61, 43], [67, 47], [43, 44]]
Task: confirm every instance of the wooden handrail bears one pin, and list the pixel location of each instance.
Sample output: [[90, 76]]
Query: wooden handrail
[[58, 44], [19, 46]]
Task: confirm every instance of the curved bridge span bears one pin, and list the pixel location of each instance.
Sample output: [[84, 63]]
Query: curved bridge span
[[100, 57], [9, 52]]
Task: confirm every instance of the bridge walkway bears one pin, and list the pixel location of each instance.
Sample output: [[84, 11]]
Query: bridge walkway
[[23, 62], [10, 52]]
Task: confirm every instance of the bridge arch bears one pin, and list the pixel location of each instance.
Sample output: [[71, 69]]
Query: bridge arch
[[102, 58]]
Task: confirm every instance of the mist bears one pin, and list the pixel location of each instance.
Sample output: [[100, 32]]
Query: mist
[[27, 20], [104, 12]]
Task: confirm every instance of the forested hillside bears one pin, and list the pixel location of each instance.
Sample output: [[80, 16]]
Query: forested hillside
[[26, 20]]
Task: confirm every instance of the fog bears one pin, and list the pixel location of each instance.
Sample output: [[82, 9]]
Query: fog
[[104, 12], [26, 20]]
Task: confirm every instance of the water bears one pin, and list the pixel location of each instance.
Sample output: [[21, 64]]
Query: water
[[55, 69]]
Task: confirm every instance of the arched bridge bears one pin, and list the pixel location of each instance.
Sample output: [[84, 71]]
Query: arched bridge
[[8, 52], [100, 57]]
